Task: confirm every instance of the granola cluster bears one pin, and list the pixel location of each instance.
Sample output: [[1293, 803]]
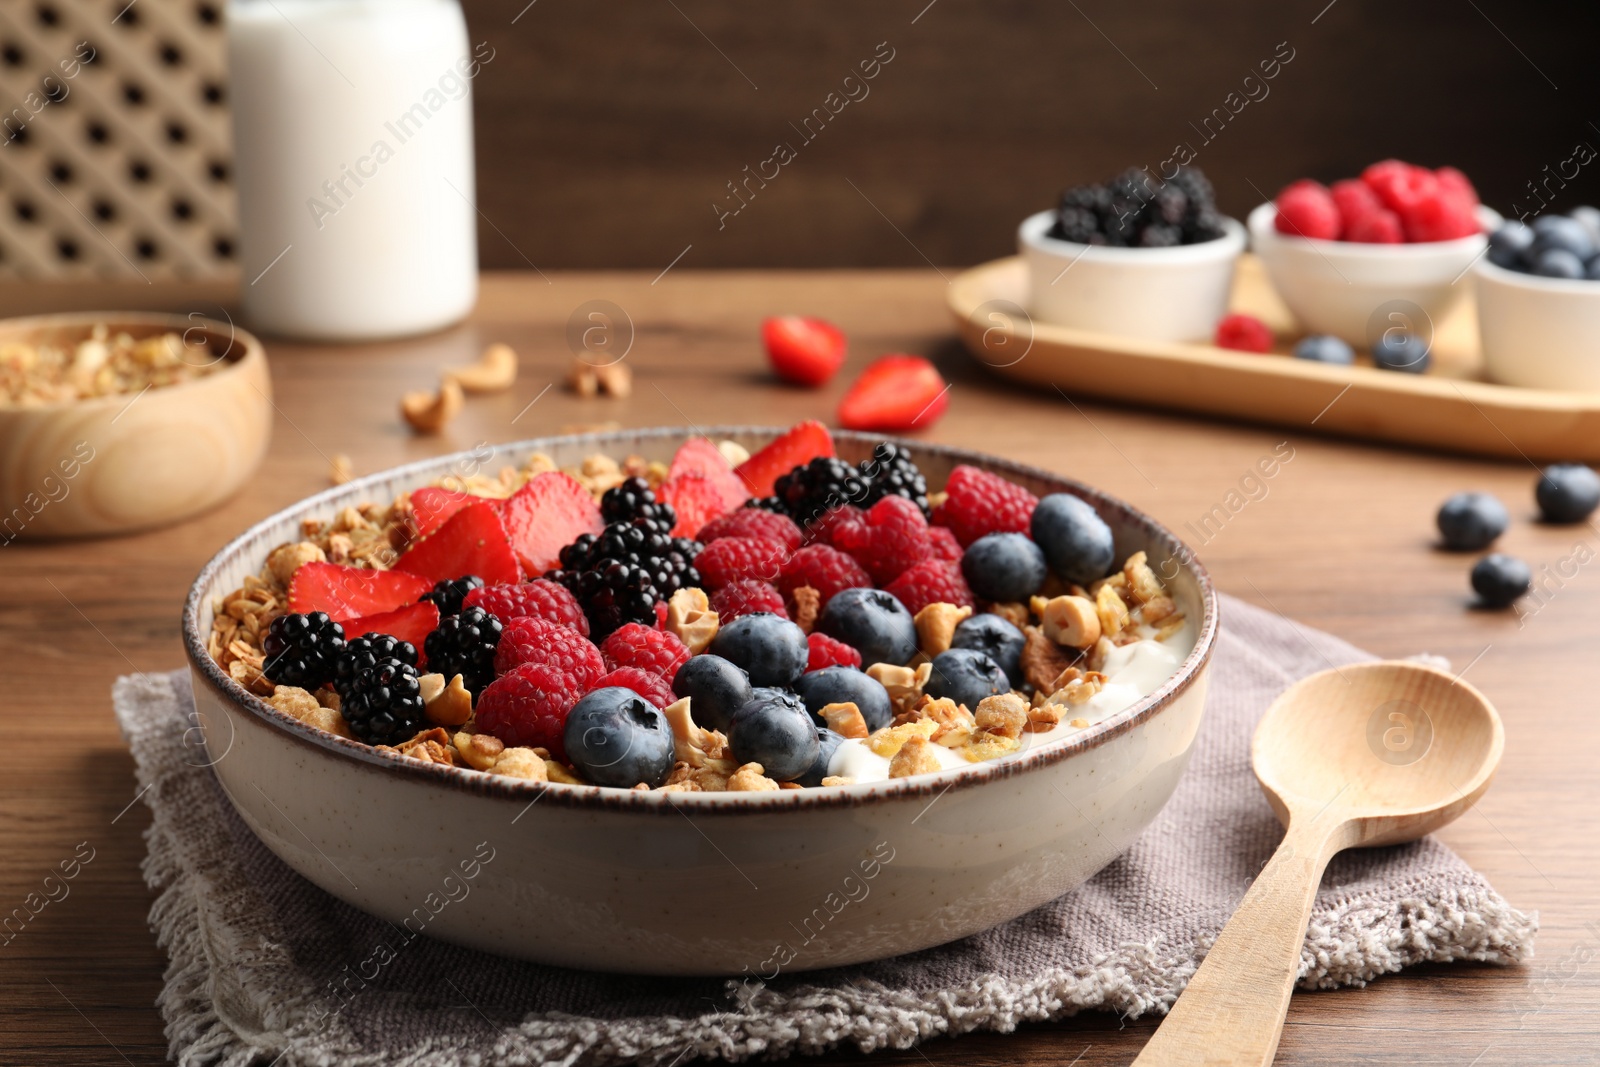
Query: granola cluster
[[104, 364]]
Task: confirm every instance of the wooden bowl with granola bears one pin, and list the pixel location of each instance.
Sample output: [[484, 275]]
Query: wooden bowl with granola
[[944, 815], [111, 423]]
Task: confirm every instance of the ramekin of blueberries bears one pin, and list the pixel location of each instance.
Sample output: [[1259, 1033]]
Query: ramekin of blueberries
[[1538, 292], [1566, 493]]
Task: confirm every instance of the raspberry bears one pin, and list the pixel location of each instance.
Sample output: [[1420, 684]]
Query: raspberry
[[529, 707], [825, 527], [892, 536], [827, 652], [636, 645], [978, 503], [1244, 333], [754, 522], [652, 687], [825, 569], [1439, 217], [1305, 209], [1381, 227], [532, 640], [932, 581], [746, 597], [1362, 216], [729, 559], [1454, 184], [943, 544], [1399, 185], [540, 599]]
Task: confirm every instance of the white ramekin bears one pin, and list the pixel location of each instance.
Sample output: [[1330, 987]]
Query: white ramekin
[[1538, 332]]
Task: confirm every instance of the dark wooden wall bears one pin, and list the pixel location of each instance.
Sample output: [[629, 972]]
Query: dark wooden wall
[[606, 132]]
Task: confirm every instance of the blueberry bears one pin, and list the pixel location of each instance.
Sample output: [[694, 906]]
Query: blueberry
[[873, 623], [1592, 271], [846, 685], [1470, 521], [1401, 350], [966, 676], [616, 737], [775, 730], [1325, 348], [1557, 263], [771, 650], [1589, 218], [1508, 245], [1499, 579], [996, 638], [1567, 492], [716, 688], [1551, 232], [1004, 567], [1076, 541], [828, 743]]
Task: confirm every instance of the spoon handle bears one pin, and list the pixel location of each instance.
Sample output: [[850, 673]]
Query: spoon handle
[[1233, 1009]]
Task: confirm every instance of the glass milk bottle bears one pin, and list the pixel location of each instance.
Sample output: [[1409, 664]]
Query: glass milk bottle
[[352, 129]]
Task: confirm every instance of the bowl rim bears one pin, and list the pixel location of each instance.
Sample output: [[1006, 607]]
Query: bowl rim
[[1031, 234], [1263, 232], [251, 349], [599, 798], [1495, 274]]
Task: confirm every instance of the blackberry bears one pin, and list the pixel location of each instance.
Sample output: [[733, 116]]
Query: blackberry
[[826, 482], [301, 650], [767, 503], [1079, 225], [384, 704], [619, 575], [449, 594], [464, 644], [633, 499], [890, 472], [1137, 209], [363, 652]]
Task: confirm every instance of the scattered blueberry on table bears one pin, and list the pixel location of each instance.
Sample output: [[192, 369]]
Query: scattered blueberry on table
[[1471, 521], [1401, 350], [1567, 492], [1499, 579], [1325, 348]]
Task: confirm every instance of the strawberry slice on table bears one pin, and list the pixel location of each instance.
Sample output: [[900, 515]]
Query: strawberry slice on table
[[897, 392], [413, 623], [803, 350], [352, 592], [696, 500], [699, 456], [432, 506], [802, 443], [546, 515], [472, 541]]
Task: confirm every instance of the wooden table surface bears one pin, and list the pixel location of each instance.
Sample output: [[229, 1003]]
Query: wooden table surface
[[1340, 539]]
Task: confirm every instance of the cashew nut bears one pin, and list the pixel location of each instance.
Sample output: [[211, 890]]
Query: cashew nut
[[494, 371], [429, 413]]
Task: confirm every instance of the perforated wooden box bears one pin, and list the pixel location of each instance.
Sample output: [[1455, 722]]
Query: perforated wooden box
[[114, 140]]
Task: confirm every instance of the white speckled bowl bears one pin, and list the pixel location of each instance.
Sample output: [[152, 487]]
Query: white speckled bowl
[[696, 883]]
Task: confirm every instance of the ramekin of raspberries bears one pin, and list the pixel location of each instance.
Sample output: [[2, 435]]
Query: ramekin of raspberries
[[1391, 203]]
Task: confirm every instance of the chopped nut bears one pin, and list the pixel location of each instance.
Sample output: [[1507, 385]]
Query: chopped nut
[[690, 617], [429, 686], [1016, 614], [478, 751], [948, 717], [493, 372], [450, 705], [903, 683], [1005, 714], [1096, 659], [1157, 608], [1076, 687], [1070, 621], [1142, 581], [522, 763], [838, 779], [693, 745], [1042, 658], [914, 757], [1079, 723], [615, 379], [887, 741], [582, 379], [340, 469], [990, 746], [1112, 611], [1036, 605], [844, 719], [679, 787], [430, 746], [286, 559], [936, 625], [556, 772], [1172, 625], [1042, 715], [429, 413], [935, 499], [733, 452], [751, 778], [292, 700], [807, 605]]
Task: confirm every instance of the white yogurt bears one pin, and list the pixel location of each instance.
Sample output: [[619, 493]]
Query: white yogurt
[[1133, 671]]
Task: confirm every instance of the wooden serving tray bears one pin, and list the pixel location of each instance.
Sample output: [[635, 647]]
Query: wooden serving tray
[[1450, 407]]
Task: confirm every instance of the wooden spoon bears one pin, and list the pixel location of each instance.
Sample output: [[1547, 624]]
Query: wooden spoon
[[1370, 754]]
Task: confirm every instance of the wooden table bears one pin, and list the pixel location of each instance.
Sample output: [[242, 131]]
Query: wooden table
[[1340, 540]]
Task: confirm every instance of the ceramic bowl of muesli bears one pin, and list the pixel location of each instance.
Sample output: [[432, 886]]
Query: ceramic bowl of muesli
[[749, 703]]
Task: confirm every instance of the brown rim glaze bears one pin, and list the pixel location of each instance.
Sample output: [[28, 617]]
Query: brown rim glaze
[[599, 798]]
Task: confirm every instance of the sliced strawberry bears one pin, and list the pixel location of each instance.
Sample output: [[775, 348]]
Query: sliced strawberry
[[352, 592], [472, 541], [546, 515], [803, 442], [896, 392], [413, 623], [431, 506], [699, 456], [696, 500], [803, 350]]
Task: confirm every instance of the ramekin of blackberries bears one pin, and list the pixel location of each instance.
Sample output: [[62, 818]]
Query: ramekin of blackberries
[[1538, 292], [1141, 255]]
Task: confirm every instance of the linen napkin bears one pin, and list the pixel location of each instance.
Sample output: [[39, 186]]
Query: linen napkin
[[263, 963]]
